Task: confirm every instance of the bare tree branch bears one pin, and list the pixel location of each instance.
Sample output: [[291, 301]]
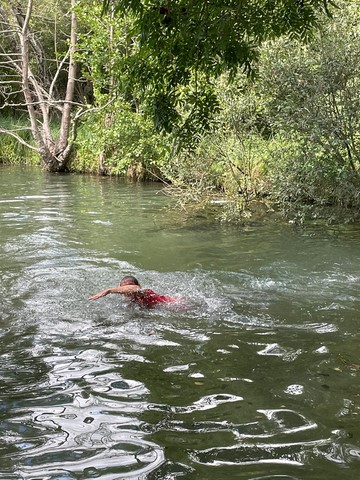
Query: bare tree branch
[[70, 88], [25, 64], [57, 73], [18, 138]]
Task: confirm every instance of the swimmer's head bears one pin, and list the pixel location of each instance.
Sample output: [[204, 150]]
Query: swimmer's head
[[129, 280]]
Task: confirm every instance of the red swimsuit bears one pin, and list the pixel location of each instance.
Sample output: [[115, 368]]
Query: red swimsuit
[[148, 298]]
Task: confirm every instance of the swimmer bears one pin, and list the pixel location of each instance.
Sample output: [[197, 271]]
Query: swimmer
[[131, 289]]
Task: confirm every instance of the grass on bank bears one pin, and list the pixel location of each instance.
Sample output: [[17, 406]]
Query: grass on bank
[[12, 152]]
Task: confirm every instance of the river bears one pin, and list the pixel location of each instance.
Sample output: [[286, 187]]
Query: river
[[257, 378]]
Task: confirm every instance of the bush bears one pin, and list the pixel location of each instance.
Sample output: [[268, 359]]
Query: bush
[[311, 98], [12, 151], [119, 141]]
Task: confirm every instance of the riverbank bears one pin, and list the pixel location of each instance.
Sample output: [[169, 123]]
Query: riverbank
[[257, 138], [216, 205]]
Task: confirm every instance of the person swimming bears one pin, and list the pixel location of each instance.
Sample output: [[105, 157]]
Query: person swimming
[[131, 289]]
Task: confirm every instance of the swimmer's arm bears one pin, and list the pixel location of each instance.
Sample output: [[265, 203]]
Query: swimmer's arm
[[122, 290]]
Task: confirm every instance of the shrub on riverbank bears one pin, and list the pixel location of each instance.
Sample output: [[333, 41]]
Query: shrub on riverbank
[[119, 141], [296, 129], [311, 98], [12, 151]]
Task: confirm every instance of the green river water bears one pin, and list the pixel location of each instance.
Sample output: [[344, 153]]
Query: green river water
[[257, 378]]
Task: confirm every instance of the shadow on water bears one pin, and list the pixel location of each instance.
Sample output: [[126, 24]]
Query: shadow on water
[[257, 378]]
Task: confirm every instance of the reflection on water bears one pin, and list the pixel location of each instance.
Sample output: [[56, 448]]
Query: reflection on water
[[256, 379]]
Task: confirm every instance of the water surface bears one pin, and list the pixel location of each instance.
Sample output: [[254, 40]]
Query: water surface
[[258, 379]]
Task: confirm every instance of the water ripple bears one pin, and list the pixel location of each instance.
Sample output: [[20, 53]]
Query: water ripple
[[257, 376]]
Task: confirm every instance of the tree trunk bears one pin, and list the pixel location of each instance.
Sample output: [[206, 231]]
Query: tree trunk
[[39, 100], [63, 148]]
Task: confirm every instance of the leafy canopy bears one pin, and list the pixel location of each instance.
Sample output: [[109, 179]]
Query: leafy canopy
[[185, 44]]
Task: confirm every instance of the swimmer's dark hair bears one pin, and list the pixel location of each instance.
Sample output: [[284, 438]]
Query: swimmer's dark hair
[[129, 280]]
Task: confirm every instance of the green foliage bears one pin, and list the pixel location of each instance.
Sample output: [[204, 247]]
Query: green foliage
[[185, 41], [118, 141], [104, 45], [291, 135], [311, 94], [306, 185], [226, 170], [12, 151]]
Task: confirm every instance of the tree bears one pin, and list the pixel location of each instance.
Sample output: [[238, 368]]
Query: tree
[[122, 141], [311, 94], [23, 63], [185, 44]]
